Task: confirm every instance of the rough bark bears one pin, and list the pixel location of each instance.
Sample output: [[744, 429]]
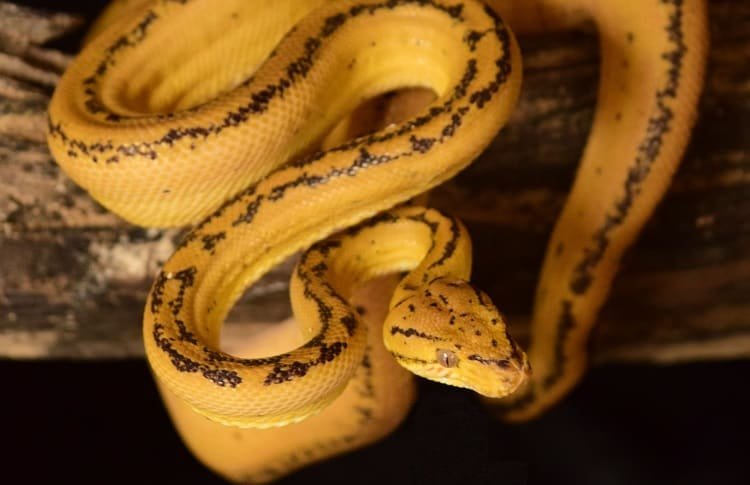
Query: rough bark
[[73, 278]]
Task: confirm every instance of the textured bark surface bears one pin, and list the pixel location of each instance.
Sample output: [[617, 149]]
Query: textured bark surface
[[73, 278]]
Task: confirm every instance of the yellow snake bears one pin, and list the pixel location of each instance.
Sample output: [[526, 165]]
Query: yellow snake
[[653, 55], [165, 139]]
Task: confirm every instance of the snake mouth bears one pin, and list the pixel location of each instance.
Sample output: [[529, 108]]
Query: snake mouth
[[437, 373], [495, 387], [523, 376], [502, 386], [514, 374]]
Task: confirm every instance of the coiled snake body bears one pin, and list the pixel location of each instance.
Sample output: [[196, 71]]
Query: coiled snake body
[[206, 135]]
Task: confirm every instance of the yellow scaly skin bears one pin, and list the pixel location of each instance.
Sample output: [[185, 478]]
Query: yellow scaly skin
[[653, 59], [102, 122], [634, 37], [373, 404], [439, 326], [458, 337]]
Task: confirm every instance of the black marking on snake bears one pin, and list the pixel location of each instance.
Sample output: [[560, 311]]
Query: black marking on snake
[[217, 356], [324, 247], [325, 312], [210, 240], [77, 146], [283, 372], [450, 129], [565, 325], [220, 377], [412, 309], [470, 72], [328, 352], [130, 39], [474, 36], [251, 209], [185, 335], [350, 323], [157, 292], [377, 137], [186, 278], [401, 302], [364, 160], [411, 332], [366, 362], [443, 298], [502, 363], [421, 145], [259, 101], [365, 414], [449, 247], [480, 97], [559, 249], [648, 151], [479, 294], [421, 218], [414, 360], [319, 269], [381, 218]]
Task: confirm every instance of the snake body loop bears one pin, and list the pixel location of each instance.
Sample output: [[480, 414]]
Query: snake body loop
[[460, 50], [212, 131]]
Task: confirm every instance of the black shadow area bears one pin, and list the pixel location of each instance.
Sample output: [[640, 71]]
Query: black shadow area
[[104, 423]]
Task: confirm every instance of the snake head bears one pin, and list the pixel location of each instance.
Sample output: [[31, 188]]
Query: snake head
[[450, 332]]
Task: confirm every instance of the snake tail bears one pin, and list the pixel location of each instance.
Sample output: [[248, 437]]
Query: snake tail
[[652, 67]]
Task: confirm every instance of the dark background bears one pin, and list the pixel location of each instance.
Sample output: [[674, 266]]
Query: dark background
[[103, 422]]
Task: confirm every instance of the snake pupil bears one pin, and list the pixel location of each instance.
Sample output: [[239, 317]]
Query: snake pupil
[[446, 358]]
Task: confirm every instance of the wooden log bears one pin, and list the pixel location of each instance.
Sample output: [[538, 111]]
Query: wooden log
[[73, 278]]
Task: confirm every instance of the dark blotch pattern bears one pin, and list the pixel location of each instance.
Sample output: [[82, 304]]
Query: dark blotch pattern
[[411, 332]]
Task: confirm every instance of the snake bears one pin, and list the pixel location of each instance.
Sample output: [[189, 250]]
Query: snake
[[653, 59], [219, 130]]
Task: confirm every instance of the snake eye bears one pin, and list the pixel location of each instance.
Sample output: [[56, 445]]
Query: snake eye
[[446, 358]]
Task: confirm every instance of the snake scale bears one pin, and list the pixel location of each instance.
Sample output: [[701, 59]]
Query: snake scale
[[219, 130]]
